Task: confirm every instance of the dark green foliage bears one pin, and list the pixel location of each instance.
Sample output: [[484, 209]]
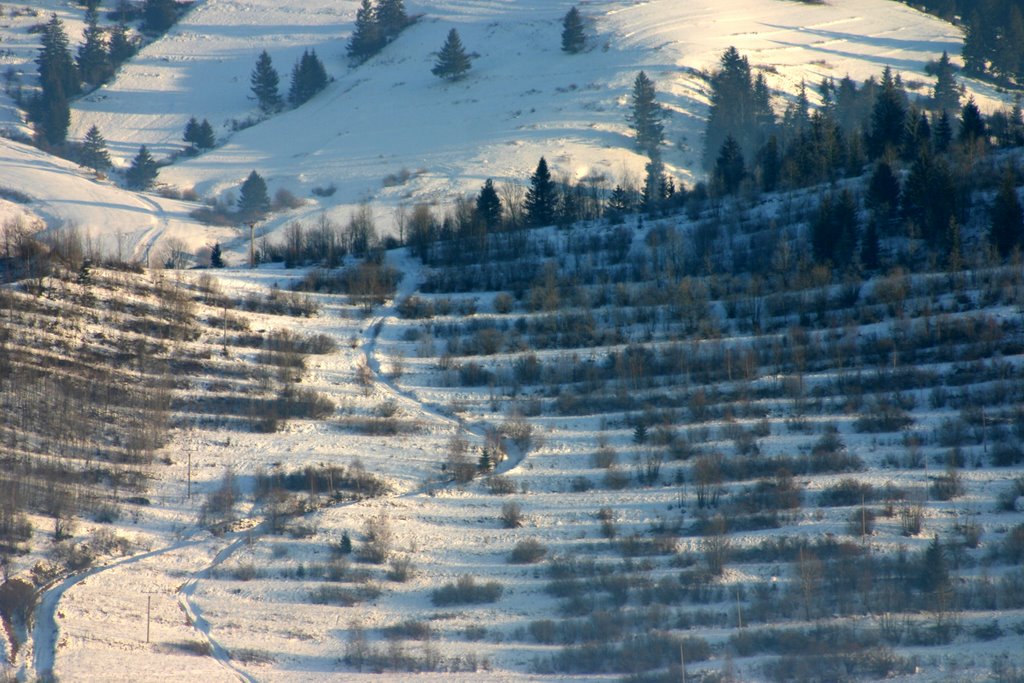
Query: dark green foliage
[[199, 135], [366, 37], [57, 69], [1006, 221], [888, 118], [452, 61], [541, 197], [645, 115], [143, 170], [947, 92], [573, 38], [264, 81], [216, 257], [834, 231], [730, 168], [52, 114], [934, 573], [767, 165], [308, 78], [972, 126], [732, 108], [159, 15], [883, 190], [93, 59], [253, 200], [121, 47], [391, 18], [942, 133], [488, 206], [94, 151], [930, 198]]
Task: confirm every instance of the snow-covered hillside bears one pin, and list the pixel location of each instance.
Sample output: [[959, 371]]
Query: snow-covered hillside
[[523, 98]]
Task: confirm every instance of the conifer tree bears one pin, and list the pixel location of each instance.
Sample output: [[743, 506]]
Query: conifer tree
[[308, 78], [869, 246], [732, 108], [143, 170], [366, 36], [541, 197], [94, 151], [191, 135], [216, 257], [159, 15], [1006, 220], [391, 17], [947, 92], [972, 125], [645, 115], [768, 165], [253, 200], [976, 46], [205, 138], [264, 81], [618, 204], [56, 66], [888, 118], [452, 61], [52, 114], [730, 167], [834, 231], [121, 47], [573, 38], [93, 59], [883, 189], [488, 206], [942, 133]]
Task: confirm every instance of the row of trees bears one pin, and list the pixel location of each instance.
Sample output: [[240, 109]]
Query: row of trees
[[308, 78], [376, 26]]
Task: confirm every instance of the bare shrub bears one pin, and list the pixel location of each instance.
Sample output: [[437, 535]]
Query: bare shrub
[[343, 596], [379, 540], [466, 591], [400, 569], [500, 485], [528, 551], [503, 303], [511, 515], [605, 457]]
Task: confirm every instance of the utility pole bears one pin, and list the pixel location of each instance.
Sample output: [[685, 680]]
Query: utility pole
[[190, 475]]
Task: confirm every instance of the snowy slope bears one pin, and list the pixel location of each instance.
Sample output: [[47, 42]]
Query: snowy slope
[[523, 98]]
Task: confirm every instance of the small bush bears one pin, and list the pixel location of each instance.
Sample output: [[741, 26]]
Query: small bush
[[342, 595], [499, 485], [466, 591], [511, 515], [410, 630], [528, 551]]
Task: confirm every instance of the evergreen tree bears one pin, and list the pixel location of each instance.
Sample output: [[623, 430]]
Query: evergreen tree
[[934, 574], [52, 114], [947, 92], [121, 47], [972, 125], [888, 118], [159, 15], [618, 204], [143, 170], [869, 246], [929, 197], [391, 17], [732, 108], [645, 115], [253, 200], [94, 151], [1006, 219], [308, 78], [834, 231], [883, 189], [797, 118], [573, 38], [917, 138], [942, 134], [216, 257], [56, 66], [264, 81], [486, 463], [205, 138], [366, 37], [768, 164], [191, 135], [452, 61], [541, 197], [345, 545], [655, 184], [730, 168], [93, 59], [764, 115], [975, 49], [488, 206]]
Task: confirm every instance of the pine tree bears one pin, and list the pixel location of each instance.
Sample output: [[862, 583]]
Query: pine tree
[[645, 115], [488, 206], [264, 81], [452, 61], [52, 114], [573, 38], [345, 545], [975, 49], [486, 463], [93, 59], [618, 204], [972, 125], [934, 568], [253, 200], [730, 168], [121, 47], [159, 15], [834, 231], [541, 197], [143, 170], [888, 118], [216, 257], [391, 17], [942, 133], [94, 151], [869, 246], [654, 185], [308, 78], [768, 165], [56, 66], [191, 135], [732, 108], [205, 138], [883, 190], [366, 38], [1006, 219], [947, 92]]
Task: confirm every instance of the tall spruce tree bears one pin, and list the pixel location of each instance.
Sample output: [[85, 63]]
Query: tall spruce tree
[[541, 197], [93, 59], [159, 15], [573, 37], [121, 47], [94, 153], [366, 36], [391, 17], [888, 118], [308, 78], [733, 110], [972, 125], [56, 65], [452, 61], [253, 200], [143, 170], [1006, 219], [730, 167], [645, 115], [205, 138], [52, 114], [264, 82], [488, 206], [947, 92]]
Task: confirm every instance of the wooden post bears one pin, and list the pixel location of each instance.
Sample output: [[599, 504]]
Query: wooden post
[[149, 606], [252, 244], [190, 475]]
